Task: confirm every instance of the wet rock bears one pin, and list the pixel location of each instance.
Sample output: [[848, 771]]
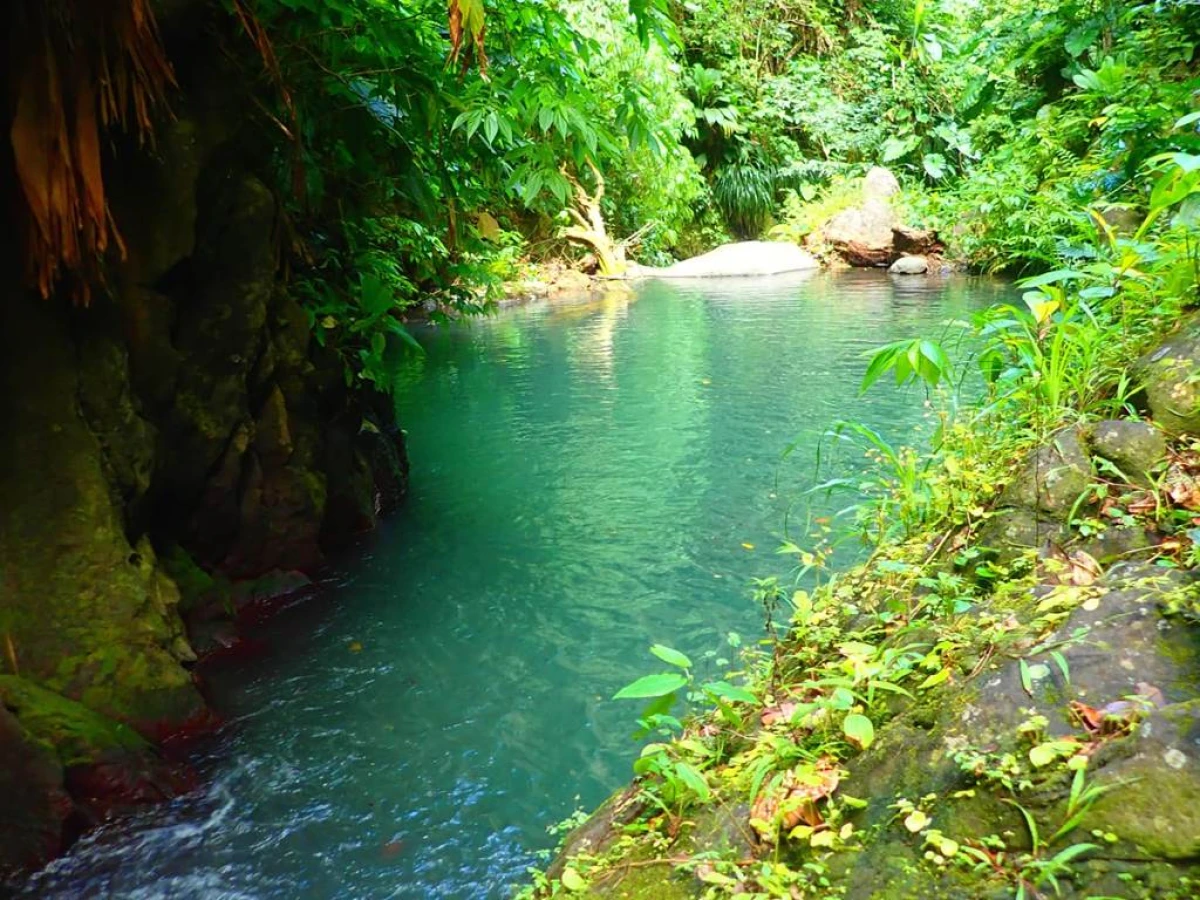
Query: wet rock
[[1135, 448], [120, 783], [909, 265], [601, 829], [209, 636], [1052, 478], [35, 805], [275, 585], [1172, 391]]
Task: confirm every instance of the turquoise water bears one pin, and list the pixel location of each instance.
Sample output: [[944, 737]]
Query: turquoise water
[[588, 478]]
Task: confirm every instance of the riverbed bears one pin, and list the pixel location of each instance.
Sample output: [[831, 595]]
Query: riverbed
[[589, 478]]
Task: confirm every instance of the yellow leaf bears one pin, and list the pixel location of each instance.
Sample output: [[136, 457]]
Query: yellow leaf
[[916, 821], [747, 546], [1042, 309], [821, 839], [355, 647], [572, 880]]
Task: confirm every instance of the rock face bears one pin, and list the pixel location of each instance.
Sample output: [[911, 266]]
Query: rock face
[[182, 428], [744, 259], [871, 234]]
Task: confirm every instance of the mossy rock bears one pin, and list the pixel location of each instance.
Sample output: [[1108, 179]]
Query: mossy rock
[[197, 588], [1135, 448], [1153, 802], [1052, 477], [74, 733], [35, 806], [87, 613], [1009, 534], [1168, 375], [633, 879]]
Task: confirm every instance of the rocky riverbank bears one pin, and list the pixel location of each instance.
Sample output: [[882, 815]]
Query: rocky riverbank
[[1008, 707]]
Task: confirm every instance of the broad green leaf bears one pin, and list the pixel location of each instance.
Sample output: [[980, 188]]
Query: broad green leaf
[[671, 657], [695, 781], [572, 880], [859, 730], [652, 686], [1044, 754], [934, 165], [727, 691], [896, 148], [934, 679]]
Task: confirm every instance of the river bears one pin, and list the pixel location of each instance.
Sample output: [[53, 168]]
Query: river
[[588, 478]]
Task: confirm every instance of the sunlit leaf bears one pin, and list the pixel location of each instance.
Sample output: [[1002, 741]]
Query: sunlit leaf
[[859, 730], [652, 686]]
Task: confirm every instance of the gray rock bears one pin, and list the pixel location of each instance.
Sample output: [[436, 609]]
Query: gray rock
[[1133, 447], [1118, 543], [880, 184], [1010, 533], [1114, 647], [743, 259], [1162, 760], [910, 265], [1172, 390], [1052, 478]]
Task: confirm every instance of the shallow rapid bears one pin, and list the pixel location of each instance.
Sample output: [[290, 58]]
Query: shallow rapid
[[588, 478]]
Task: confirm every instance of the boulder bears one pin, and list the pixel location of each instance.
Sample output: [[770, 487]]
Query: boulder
[[1009, 533], [910, 265], [879, 185], [1051, 478], [1114, 647], [862, 235], [1135, 448], [1171, 389], [743, 259]]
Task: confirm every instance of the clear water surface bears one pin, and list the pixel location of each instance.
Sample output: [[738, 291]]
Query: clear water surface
[[588, 478]]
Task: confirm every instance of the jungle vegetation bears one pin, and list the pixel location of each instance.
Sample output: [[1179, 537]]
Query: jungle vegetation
[[426, 156]]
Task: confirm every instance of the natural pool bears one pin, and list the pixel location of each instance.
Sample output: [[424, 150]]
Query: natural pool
[[588, 478]]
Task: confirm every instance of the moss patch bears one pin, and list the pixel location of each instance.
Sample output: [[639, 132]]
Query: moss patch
[[75, 733]]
